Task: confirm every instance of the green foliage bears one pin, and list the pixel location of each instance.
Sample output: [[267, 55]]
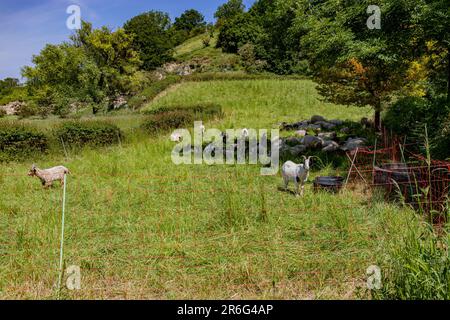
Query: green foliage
[[7, 84], [167, 120], [418, 269], [2, 113], [248, 58], [18, 142], [88, 133], [28, 110], [201, 111], [409, 116], [238, 31], [151, 38], [14, 94], [189, 21], [228, 11]]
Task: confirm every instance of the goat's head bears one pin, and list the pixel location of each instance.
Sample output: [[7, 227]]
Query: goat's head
[[307, 162], [32, 171]]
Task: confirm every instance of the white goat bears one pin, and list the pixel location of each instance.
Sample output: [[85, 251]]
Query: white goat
[[48, 176], [298, 173]]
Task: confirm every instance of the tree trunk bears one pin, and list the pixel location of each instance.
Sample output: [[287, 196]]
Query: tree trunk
[[377, 120], [448, 74]]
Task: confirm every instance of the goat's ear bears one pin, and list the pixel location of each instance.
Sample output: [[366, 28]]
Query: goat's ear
[[33, 167]]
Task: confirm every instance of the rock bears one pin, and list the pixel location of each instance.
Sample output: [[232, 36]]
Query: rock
[[354, 143], [312, 142], [301, 124], [317, 118], [327, 135], [293, 141], [314, 127], [119, 102], [301, 133], [330, 146], [336, 122], [297, 150], [345, 130], [13, 107], [325, 125]]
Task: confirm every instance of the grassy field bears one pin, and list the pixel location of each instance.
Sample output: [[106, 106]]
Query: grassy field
[[141, 227]]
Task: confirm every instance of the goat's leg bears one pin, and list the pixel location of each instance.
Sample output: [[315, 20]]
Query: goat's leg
[[286, 183], [296, 188], [303, 189]]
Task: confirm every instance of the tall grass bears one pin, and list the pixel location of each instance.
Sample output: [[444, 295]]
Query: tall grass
[[141, 227]]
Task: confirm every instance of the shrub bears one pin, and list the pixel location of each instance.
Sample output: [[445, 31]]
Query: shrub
[[27, 110], [413, 113], [167, 120], [200, 112], [409, 116], [20, 141], [2, 113], [93, 133]]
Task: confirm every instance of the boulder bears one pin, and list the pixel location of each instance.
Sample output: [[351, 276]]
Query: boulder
[[301, 133], [327, 135], [297, 150], [314, 127], [317, 118], [354, 143], [336, 122], [293, 141], [325, 125], [345, 130], [330, 146], [312, 142]]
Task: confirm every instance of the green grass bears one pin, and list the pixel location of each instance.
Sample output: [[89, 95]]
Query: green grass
[[259, 103], [142, 227]]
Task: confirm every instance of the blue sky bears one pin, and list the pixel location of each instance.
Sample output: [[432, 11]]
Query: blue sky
[[27, 25]]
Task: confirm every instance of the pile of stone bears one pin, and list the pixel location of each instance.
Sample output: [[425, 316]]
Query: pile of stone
[[325, 137]]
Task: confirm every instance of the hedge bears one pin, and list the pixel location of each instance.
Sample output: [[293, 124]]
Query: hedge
[[91, 133], [19, 141]]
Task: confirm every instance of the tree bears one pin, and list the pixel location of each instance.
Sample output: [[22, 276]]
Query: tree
[[240, 30], [62, 74], [98, 65], [189, 21], [114, 56], [151, 38], [7, 84], [228, 11], [434, 24], [354, 64]]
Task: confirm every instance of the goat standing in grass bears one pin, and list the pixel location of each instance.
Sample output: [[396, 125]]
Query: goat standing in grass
[[48, 176], [298, 173]]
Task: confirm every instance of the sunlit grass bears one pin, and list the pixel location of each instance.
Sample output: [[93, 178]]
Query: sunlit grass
[[141, 227]]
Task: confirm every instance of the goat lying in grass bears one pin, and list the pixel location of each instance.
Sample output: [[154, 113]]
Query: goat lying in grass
[[48, 176], [298, 173]]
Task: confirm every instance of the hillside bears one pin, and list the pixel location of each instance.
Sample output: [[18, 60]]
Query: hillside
[[141, 227]]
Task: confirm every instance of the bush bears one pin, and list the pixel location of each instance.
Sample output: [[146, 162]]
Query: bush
[[409, 116], [200, 112], [19, 141], [2, 113], [413, 113], [167, 120], [92, 133], [27, 110]]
